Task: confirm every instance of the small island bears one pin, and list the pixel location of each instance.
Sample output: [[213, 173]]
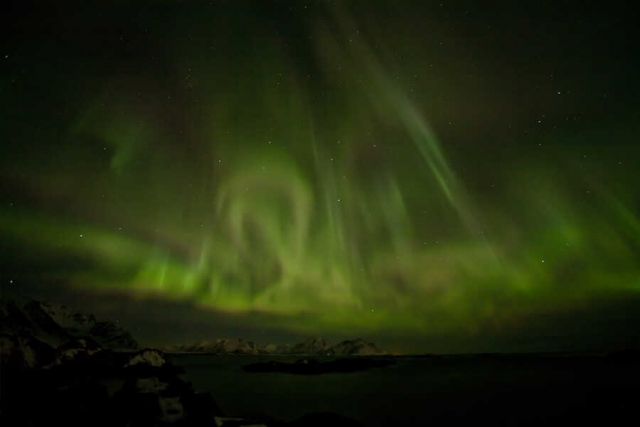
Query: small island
[[314, 367]]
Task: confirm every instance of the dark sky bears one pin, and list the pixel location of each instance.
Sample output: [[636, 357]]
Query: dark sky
[[448, 176]]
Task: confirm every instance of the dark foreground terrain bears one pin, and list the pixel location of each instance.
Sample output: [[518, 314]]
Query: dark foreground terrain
[[147, 389], [122, 389], [435, 390], [58, 367]]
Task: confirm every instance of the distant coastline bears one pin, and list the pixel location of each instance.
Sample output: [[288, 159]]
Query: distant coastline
[[309, 347]]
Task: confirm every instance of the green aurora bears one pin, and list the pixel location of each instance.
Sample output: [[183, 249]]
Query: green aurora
[[311, 193]]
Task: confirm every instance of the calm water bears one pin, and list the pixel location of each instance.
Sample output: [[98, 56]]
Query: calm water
[[424, 390]]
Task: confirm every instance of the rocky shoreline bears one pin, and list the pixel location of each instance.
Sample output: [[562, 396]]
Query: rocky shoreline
[[63, 368], [121, 389]]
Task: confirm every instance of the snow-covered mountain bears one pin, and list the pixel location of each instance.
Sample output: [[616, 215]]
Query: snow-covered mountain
[[356, 347], [55, 325], [311, 346]]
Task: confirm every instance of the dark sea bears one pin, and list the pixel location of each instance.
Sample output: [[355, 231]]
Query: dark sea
[[501, 389]]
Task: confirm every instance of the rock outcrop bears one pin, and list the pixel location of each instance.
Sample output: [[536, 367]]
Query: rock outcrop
[[155, 391], [109, 389], [141, 389], [30, 321], [59, 367], [112, 336], [76, 351], [74, 323], [20, 352], [55, 325]]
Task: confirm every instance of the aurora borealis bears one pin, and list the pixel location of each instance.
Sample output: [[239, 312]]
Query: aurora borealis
[[455, 176]]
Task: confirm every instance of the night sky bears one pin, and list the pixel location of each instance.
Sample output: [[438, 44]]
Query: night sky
[[447, 176]]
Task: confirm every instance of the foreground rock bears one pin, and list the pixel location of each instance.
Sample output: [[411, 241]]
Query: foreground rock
[[106, 389], [155, 391], [19, 352], [313, 367], [58, 367]]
